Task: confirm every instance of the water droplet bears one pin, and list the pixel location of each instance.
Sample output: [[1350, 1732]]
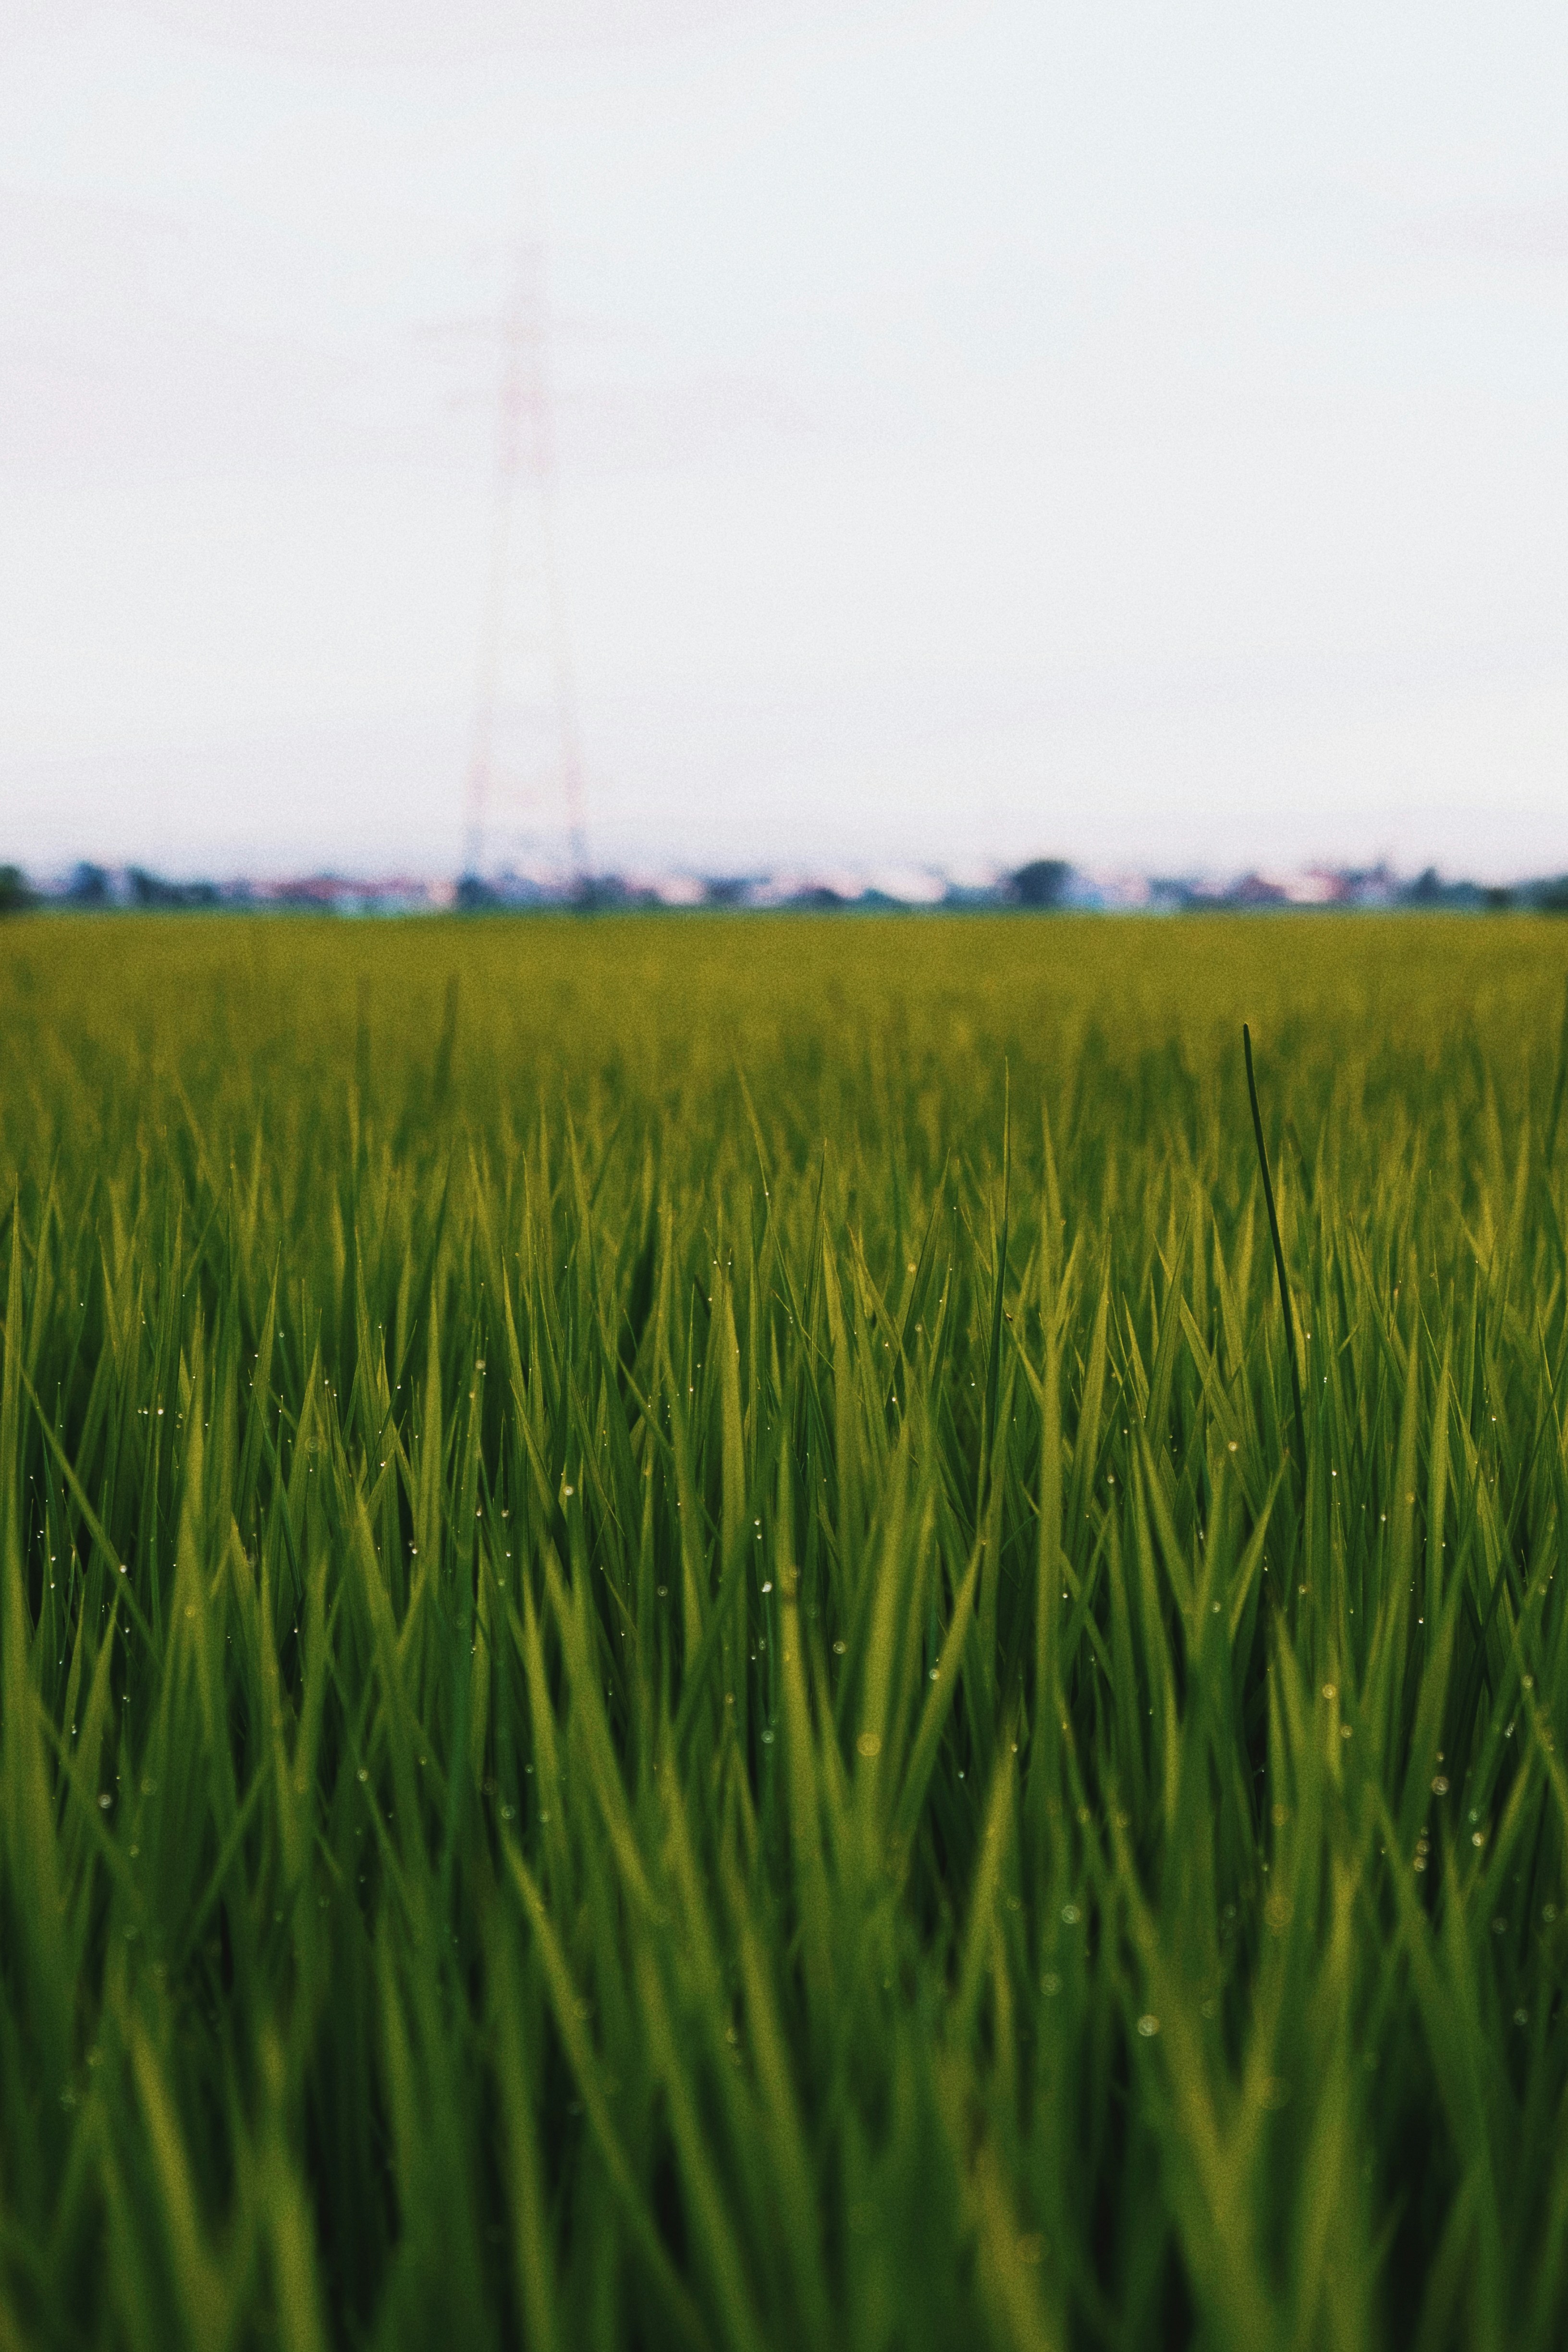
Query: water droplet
[[1071, 1915], [840, 1648], [1440, 1786], [363, 1773], [869, 1744], [1148, 2027]]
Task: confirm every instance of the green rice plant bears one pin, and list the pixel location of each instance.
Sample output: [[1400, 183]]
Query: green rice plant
[[682, 1664]]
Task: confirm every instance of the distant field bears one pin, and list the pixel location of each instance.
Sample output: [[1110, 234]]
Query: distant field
[[667, 1674]]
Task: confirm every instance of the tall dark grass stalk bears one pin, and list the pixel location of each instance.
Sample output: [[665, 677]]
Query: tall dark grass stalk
[[1555, 1112], [1279, 1258]]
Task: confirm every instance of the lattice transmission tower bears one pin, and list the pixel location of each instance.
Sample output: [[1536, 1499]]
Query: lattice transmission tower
[[526, 791]]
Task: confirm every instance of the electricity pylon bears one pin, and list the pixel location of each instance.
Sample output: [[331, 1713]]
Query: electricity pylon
[[527, 760]]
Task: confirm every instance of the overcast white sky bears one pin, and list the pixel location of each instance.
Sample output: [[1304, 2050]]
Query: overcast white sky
[[1137, 432]]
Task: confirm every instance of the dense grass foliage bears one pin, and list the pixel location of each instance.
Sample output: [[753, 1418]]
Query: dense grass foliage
[[667, 1674]]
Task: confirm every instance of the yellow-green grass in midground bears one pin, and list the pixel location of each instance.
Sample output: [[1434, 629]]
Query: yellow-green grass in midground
[[666, 1676]]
